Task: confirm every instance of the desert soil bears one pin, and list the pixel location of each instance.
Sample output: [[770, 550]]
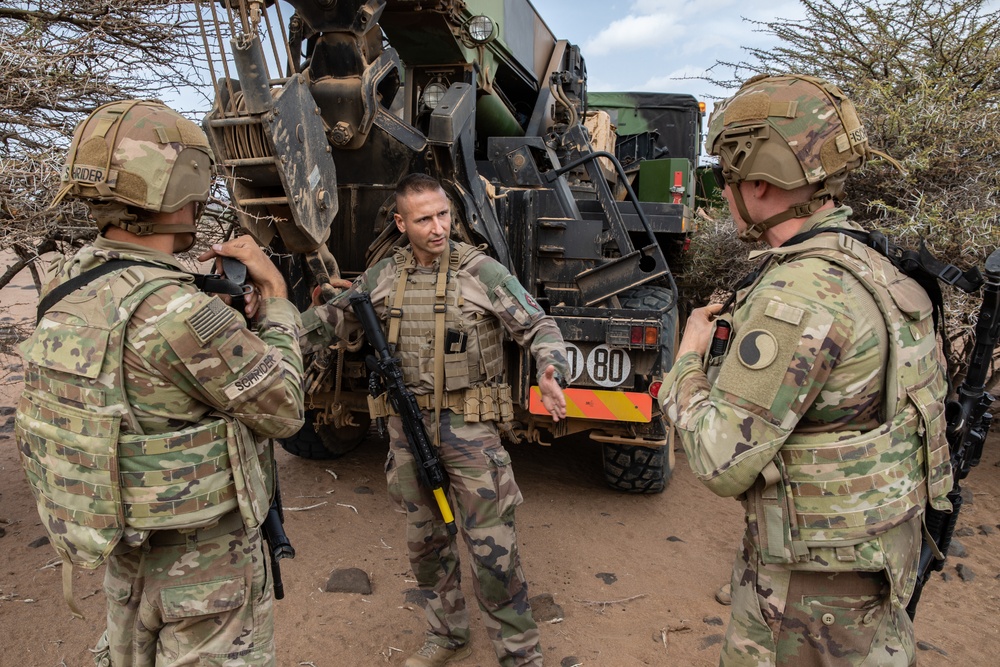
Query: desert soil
[[634, 576]]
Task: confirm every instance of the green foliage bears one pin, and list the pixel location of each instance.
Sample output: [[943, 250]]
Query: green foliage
[[925, 77]]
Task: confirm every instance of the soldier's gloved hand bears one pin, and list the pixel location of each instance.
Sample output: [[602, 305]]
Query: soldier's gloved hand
[[263, 275], [339, 284], [552, 394], [698, 330]]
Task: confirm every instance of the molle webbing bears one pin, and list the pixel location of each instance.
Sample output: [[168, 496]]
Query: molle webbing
[[156, 474], [852, 490], [477, 359]]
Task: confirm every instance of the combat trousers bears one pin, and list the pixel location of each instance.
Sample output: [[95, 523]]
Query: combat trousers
[[483, 496], [791, 618], [200, 597]]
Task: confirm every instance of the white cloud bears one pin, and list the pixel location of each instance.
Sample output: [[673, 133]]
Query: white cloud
[[631, 32]]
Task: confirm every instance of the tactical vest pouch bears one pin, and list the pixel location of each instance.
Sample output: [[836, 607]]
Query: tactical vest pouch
[[73, 472], [475, 404], [456, 360], [177, 480], [378, 406], [929, 400], [488, 404], [772, 518], [252, 460]]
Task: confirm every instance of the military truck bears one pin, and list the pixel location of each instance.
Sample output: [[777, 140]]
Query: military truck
[[317, 116]]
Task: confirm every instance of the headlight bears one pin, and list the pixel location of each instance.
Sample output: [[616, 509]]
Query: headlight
[[481, 29], [433, 92]]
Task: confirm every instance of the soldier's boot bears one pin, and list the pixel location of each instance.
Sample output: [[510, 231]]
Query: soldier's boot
[[724, 595], [434, 655]]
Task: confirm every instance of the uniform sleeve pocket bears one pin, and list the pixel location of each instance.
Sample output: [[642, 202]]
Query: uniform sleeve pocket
[[202, 599]]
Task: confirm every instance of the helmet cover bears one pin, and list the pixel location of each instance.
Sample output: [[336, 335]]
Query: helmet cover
[[137, 153], [789, 131]]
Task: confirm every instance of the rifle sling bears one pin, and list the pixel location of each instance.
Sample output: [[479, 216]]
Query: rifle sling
[[63, 290], [211, 283]]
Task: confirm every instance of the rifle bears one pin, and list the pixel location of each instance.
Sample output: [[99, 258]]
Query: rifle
[[386, 373], [232, 281], [968, 425], [274, 533]]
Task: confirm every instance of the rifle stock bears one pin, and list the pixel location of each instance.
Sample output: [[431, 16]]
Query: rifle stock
[[387, 368], [968, 425]]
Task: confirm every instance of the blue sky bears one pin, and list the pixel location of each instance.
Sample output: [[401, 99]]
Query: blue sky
[[652, 45]]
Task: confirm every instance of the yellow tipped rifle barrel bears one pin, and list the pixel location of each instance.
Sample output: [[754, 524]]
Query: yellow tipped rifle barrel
[[449, 518]]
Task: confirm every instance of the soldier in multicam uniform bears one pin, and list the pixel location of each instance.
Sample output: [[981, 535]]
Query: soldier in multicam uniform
[[479, 295], [825, 416], [148, 409]]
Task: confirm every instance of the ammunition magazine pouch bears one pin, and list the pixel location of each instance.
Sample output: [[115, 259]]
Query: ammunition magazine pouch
[[475, 404]]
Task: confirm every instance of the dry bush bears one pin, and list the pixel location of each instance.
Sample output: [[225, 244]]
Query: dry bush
[[59, 60], [925, 77]]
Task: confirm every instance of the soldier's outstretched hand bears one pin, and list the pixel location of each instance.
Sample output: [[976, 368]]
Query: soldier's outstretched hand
[[552, 394]]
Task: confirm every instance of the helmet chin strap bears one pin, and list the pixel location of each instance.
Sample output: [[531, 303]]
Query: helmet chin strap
[[115, 214], [754, 230]]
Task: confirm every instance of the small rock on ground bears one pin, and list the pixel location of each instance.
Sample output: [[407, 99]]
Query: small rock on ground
[[544, 608], [349, 580]]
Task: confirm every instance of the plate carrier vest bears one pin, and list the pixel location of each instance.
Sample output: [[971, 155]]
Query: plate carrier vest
[[822, 490], [91, 471], [463, 361]]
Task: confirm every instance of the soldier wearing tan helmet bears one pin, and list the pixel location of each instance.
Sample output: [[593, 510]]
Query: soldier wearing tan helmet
[[148, 409], [824, 413]]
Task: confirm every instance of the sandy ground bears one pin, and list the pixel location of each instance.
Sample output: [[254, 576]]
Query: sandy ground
[[634, 576]]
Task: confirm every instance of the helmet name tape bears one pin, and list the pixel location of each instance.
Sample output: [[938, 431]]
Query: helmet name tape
[[88, 174]]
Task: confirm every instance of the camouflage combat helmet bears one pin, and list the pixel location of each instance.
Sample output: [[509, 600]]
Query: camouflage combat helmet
[[789, 131], [137, 153]]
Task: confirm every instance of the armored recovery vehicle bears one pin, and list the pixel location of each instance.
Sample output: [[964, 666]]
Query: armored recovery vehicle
[[318, 116]]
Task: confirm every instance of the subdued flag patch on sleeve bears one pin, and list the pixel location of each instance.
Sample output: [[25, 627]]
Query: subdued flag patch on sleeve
[[210, 319]]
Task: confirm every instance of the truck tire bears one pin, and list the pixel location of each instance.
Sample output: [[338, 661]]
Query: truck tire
[[636, 469], [327, 443]]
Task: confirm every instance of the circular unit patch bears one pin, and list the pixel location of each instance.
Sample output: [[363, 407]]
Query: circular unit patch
[[758, 349]]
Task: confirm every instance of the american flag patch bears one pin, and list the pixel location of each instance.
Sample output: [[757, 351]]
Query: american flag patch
[[210, 319]]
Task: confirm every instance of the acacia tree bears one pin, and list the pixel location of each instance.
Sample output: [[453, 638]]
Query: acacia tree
[[925, 77], [59, 60]]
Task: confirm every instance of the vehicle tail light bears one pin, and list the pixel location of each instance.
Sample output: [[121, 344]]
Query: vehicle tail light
[[654, 388]]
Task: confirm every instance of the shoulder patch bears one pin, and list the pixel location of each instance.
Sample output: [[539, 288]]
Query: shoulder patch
[[757, 349], [210, 319]]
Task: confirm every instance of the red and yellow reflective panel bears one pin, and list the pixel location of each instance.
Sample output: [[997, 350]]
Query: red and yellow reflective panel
[[620, 406]]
